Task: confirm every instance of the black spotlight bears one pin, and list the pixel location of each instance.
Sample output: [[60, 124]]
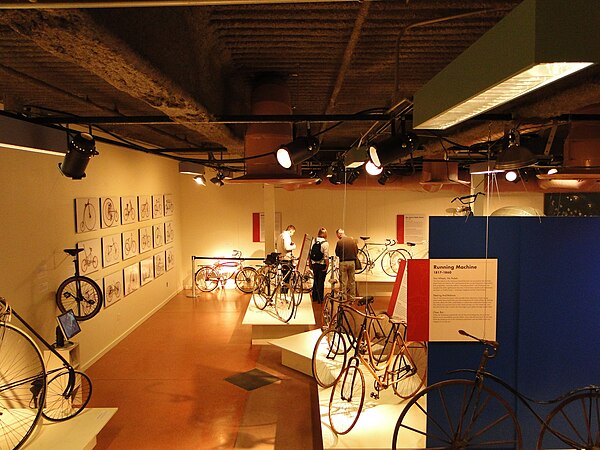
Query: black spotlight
[[218, 179], [297, 151], [385, 176], [352, 176], [81, 147], [392, 148]]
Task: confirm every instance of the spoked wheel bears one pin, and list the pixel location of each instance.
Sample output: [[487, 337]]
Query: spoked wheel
[[245, 279], [346, 401], [284, 303], [329, 357], [82, 295], [260, 295], [295, 285], [364, 260], [206, 279], [64, 401], [458, 415], [308, 280], [24, 387], [390, 262], [327, 312], [410, 369], [575, 422]]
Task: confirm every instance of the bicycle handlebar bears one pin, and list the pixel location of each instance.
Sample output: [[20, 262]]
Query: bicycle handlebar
[[493, 344], [390, 242]]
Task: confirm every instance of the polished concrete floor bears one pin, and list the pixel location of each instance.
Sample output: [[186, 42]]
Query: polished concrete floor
[[168, 380]]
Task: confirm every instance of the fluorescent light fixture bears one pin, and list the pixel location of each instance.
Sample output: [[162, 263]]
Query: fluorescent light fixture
[[355, 157], [191, 168], [21, 135], [199, 179], [539, 42]]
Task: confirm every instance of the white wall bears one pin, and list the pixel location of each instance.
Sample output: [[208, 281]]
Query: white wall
[[37, 222]]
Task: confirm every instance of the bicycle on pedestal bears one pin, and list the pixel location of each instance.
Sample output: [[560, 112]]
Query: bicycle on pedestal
[[79, 293], [390, 257]]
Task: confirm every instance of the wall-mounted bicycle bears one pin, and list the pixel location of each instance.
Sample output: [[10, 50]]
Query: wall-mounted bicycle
[[79, 293], [390, 257]]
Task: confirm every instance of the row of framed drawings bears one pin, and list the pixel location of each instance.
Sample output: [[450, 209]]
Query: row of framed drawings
[[114, 248], [93, 213], [123, 282]]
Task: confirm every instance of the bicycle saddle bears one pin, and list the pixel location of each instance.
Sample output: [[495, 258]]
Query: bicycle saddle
[[364, 238], [73, 251], [362, 301]]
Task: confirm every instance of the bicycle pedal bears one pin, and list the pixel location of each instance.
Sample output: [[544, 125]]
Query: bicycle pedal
[[375, 395]]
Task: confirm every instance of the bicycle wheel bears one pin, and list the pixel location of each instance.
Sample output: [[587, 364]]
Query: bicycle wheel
[[458, 414], [409, 369], [327, 312], [245, 279], [64, 402], [308, 280], [82, 295], [295, 285], [259, 296], [364, 260], [390, 262], [329, 357], [284, 303], [206, 279], [574, 422], [23, 388], [346, 401]]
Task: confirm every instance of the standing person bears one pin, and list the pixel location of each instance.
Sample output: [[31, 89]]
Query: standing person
[[320, 265], [346, 249], [285, 246]]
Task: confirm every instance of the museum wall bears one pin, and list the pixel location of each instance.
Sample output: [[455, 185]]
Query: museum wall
[[38, 221], [215, 220]]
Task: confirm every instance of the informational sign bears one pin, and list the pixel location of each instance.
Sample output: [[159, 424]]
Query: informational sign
[[398, 306], [447, 295], [411, 228], [258, 226], [303, 255]]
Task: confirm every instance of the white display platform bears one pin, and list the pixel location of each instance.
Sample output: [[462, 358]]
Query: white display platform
[[297, 350], [375, 285], [78, 433], [266, 325]]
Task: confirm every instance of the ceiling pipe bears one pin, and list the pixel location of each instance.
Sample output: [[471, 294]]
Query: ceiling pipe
[[152, 3]]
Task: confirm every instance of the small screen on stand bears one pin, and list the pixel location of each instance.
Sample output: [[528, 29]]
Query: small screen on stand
[[68, 324]]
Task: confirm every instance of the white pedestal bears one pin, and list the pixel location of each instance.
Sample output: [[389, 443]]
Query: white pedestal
[[266, 326], [78, 433], [297, 350]]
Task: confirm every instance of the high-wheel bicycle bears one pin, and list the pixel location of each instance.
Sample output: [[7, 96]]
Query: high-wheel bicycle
[[469, 414], [207, 278], [390, 257], [403, 368], [27, 390], [79, 293]]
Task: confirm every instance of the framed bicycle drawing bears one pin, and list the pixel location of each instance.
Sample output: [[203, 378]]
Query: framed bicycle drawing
[[159, 264], [87, 217], [145, 239], [144, 207], [169, 259], [169, 232], [169, 204], [111, 250], [128, 210], [111, 212], [146, 271], [158, 208], [131, 279], [130, 244], [159, 234], [89, 259], [113, 288]]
